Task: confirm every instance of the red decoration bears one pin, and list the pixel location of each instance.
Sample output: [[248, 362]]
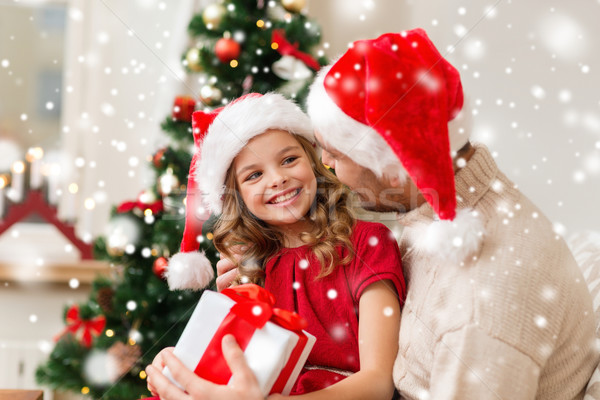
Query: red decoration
[[88, 328], [183, 108], [160, 267], [253, 309], [127, 206], [36, 204], [157, 159], [285, 48], [227, 49]]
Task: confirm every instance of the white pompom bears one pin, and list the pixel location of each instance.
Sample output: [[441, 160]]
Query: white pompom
[[455, 240], [189, 271]]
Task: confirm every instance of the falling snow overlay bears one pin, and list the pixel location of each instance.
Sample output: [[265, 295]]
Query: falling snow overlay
[[529, 69]]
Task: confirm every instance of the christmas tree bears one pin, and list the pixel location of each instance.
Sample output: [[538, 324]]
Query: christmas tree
[[238, 46]]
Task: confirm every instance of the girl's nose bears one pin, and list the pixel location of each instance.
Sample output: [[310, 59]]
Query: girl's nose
[[279, 179]]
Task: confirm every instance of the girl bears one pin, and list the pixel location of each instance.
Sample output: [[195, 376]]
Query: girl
[[259, 170]]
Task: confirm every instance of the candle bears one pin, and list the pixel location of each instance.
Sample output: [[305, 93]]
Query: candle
[[17, 181], [34, 156], [70, 202], [52, 172], [89, 205], [3, 183]]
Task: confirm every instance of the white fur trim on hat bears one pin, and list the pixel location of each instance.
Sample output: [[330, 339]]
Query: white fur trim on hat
[[231, 131], [454, 241], [190, 270], [361, 143]]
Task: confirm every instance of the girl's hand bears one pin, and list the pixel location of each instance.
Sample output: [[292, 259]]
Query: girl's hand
[[226, 270], [243, 384], [159, 364]]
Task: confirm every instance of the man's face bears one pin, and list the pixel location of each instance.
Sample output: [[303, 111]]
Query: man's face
[[377, 194]]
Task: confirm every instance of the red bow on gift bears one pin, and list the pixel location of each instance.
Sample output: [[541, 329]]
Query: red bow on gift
[[89, 328], [253, 309], [126, 206], [255, 304], [285, 48]]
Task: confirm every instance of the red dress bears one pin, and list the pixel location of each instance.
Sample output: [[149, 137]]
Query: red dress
[[330, 304]]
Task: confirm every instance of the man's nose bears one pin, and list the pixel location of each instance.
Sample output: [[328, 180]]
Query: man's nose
[[326, 159]]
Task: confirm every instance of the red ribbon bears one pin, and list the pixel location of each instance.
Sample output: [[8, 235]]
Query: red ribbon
[[253, 309], [127, 206], [285, 48], [89, 328]]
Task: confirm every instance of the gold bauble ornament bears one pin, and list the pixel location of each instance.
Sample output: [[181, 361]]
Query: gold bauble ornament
[[213, 15], [210, 95], [193, 59], [294, 6], [115, 251]]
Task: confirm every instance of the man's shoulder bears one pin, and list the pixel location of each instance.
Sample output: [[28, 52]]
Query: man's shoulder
[[363, 227]]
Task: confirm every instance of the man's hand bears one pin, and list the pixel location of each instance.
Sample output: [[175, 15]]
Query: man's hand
[[226, 270], [243, 384]]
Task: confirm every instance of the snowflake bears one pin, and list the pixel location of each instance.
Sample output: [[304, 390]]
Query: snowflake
[[540, 321]]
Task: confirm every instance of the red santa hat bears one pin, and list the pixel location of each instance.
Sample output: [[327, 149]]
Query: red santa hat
[[219, 136], [386, 103]]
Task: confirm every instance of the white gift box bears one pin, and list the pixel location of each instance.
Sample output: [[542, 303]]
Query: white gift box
[[275, 354]]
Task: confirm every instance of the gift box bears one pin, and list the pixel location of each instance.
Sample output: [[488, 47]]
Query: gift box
[[273, 340]]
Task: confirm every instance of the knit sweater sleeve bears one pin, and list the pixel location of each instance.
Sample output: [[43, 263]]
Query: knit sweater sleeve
[[470, 364]]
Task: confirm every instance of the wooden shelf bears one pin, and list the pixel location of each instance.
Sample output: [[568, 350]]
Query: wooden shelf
[[21, 394], [85, 271]]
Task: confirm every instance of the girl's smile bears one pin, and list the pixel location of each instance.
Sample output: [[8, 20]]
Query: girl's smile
[[285, 198]]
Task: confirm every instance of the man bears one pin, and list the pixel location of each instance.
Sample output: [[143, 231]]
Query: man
[[497, 307]]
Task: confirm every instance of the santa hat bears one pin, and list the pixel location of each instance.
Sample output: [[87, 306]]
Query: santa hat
[[386, 103], [219, 136]]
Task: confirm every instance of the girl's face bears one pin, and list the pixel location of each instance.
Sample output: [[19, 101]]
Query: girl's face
[[276, 179]]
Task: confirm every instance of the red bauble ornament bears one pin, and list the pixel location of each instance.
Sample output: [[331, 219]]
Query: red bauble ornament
[[183, 108], [227, 49], [160, 267], [157, 159]]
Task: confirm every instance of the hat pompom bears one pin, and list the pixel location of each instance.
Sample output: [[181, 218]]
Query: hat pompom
[[455, 240], [191, 270]]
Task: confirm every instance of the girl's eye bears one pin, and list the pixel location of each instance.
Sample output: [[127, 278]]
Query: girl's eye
[[290, 160], [252, 176]]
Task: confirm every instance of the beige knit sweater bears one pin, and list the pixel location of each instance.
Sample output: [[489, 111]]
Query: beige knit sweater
[[514, 323]]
